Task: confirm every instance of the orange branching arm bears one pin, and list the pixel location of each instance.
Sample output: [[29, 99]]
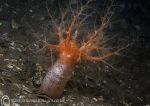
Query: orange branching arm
[[69, 54]]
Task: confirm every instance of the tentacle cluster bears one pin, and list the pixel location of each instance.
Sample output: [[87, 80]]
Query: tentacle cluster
[[68, 45]]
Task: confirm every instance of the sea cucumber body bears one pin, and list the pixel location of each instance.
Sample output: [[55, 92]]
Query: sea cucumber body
[[57, 76]]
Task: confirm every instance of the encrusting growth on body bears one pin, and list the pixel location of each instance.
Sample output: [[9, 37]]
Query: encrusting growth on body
[[69, 53]]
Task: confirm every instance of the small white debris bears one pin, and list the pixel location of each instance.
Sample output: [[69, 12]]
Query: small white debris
[[10, 66], [1, 23], [12, 43], [30, 11], [39, 67], [19, 49], [15, 104], [101, 98], [13, 60], [95, 99], [26, 89], [20, 60], [12, 48], [21, 96], [18, 68], [1, 55], [104, 81], [6, 60]]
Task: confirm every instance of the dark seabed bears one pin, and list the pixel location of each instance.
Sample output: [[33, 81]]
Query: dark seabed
[[24, 61]]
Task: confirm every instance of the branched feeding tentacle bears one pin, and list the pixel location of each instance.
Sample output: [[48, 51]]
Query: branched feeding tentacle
[[69, 53]]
